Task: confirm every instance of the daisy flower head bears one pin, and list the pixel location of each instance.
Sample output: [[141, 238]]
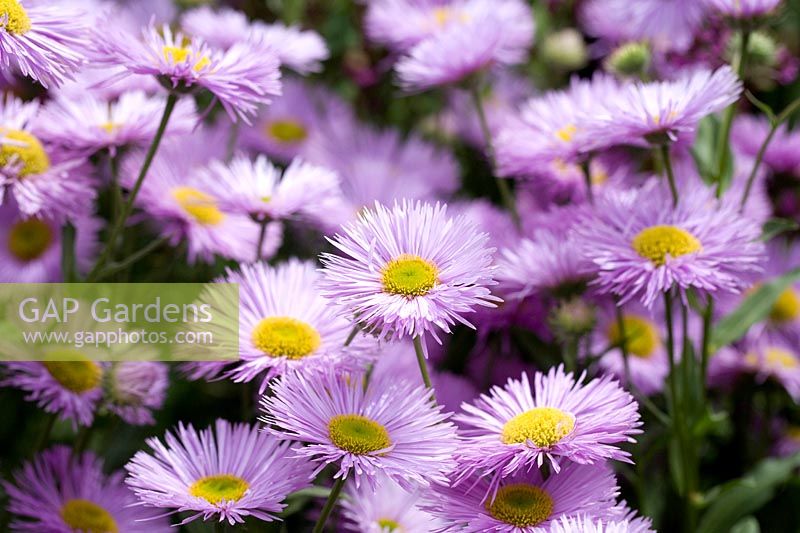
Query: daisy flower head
[[220, 28], [30, 248], [559, 419], [42, 180], [181, 198], [409, 270], [259, 189], [60, 492], [285, 324], [482, 33], [391, 427], [134, 389], [388, 508], [242, 78], [745, 9], [87, 123], [587, 524], [524, 502], [782, 154], [772, 358], [652, 113], [639, 247], [46, 41], [224, 473]]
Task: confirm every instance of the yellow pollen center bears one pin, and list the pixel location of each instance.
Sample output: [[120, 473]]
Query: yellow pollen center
[[29, 239], [109, 127], [287, 131], [388, 524], [358, 434], [567, 132], [87, 517], [521, 505], [219, 488], [179, 54], [444, 15], [201, 206], [780, 358], [282, 336], [656, 243], [16, 21], [641, 336], [786, 308], [75, 372], [22, 147], [544, 426], [409, 275]]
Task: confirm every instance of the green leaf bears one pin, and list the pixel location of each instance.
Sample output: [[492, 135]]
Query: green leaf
[[753, 309], [703, 148], [775, 226], [741, 497], [746, 525]]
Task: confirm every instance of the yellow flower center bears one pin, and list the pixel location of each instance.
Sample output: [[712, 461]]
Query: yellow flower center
[[521, 505], [179, 54], [444, 15], [358, 434], [282, 336], [544, 426], [15, 17], [409, 275], [201, 206], [656, 243], [109, 127], [641, 336], [75, 372], [388, 524], [567, 132], [287, 131], [219, 488], [786, 308], [87, 517], [780, 358], [21, 146], [29, 239]]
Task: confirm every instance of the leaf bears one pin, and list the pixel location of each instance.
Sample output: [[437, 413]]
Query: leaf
[[746, 525], [753, 309], [703, 148], [775, 226], [744, 496]]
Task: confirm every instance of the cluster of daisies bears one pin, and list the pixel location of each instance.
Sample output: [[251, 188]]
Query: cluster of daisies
[[422, 359]]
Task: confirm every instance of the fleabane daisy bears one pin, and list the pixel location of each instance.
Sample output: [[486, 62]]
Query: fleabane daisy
[[524, 502], [243, 77], [223, 474], [559, 419], [285, 324], [46, 41], [587, 524], [640, 247], [61, 492], [133, 389], [259, 189], [389, 427], [409, 270]]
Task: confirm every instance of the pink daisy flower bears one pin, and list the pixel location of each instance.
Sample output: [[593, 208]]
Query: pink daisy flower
[[134, 389]]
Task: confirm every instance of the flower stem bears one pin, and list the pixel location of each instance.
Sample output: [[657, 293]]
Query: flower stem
[[727, 119], [352, 335], [118, 225], [261, 236], [44, 438], [705, 349], [673, 188], [68, 252], [329, 504], [116, 191], [423, 365], [113, 268], [502, 185], [587, 178]]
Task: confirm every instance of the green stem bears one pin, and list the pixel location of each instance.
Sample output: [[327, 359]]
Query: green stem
[[502, 185], [113, 268], [571, 347], [352, 335], [670, 349], [261, 236], [329, 504], [44, 438], [119, 225], [688, 361], [116, 190], [233, 138], [423, 365], [705, 349], [673, 188], [68, 252], [587, 179], [727, 120], [220, 526], [82, 440]]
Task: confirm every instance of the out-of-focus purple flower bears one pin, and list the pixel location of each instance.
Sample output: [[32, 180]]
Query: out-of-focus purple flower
[[301, 50], [135, 388], [62, 492], [389, 427], [409, 270], [744, 9], [223, 474], [783, 152]]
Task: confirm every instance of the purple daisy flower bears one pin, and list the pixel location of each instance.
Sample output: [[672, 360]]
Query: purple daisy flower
[[525, 502], [407, 271], [744, 9], [640, 247], [656, 112], [518, 427], [243, 77], [87, 124], [220, 28], [285, 324], [586, 524], [59, 492], [783, 152], [388, 427], [259, 189], [136, 388], [388, 508], [43, 181], [225, 474], [46, 41], [181, 197], [30, 248], [775, 359]]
